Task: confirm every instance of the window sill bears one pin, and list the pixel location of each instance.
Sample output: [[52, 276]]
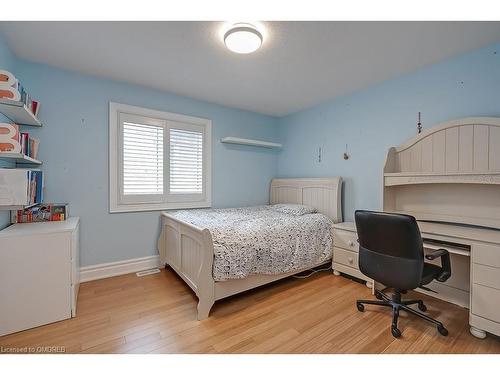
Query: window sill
[[158, 207]]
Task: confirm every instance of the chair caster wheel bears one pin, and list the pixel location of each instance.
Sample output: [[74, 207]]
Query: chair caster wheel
[[360, 307], [422, 307], [378, 295], [443, 331], [395, 332]]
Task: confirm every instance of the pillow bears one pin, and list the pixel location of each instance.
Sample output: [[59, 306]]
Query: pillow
[[294, 209]]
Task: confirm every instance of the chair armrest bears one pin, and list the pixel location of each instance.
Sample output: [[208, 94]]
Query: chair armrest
[[445, 263], [436, 254]]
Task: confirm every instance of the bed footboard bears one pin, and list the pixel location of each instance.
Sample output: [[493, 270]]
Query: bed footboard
[[189, 251]]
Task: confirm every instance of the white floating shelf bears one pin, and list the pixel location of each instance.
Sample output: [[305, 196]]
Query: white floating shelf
[[250, 142], [18, 113], [19, 158]]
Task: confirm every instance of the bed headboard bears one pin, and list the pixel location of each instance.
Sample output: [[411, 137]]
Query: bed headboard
[[324, 194]]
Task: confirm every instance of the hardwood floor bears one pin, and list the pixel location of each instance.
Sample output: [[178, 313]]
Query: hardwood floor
[[157, 314]]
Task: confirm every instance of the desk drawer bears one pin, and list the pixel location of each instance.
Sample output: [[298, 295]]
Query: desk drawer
[[345, 239], [488, 255], [485, 275], [485, 302], [345, 257]]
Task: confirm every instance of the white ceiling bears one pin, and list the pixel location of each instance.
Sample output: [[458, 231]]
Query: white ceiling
[[300, 64]]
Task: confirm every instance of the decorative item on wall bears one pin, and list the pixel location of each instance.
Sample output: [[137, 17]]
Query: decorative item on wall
[[419, 124], [346, 155], [319, 154]]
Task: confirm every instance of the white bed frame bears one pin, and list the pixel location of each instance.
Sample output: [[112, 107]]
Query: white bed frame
[[189, 250]]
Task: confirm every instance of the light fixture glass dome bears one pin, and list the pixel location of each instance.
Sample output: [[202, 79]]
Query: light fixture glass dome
[[243, 38]]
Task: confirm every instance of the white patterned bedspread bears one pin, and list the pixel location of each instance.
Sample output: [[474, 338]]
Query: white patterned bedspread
[[260, 240]]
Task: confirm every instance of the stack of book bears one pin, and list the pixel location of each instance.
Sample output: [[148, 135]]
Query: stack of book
[[29, 145], [26, 98], [41, 212]]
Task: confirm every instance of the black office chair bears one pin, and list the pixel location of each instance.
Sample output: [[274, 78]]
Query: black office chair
[[391, 252]]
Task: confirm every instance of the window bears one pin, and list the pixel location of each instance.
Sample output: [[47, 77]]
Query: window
[[158, 160]]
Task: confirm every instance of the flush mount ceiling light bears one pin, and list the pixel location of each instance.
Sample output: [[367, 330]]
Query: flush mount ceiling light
[[243, 38]]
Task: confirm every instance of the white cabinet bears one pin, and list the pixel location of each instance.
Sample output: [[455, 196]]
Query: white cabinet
[[39, 274], [485, 289], [345, 251]]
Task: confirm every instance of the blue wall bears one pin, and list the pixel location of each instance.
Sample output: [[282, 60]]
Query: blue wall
[[74, 140], [7, 62], [372, 120], [74, 151]]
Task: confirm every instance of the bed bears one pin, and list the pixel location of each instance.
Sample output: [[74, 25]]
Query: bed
[[192, 242]]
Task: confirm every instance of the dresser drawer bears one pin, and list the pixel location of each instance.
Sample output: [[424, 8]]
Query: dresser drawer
[[484, 275], [486, 254], [345, 239], [485, 302], [345, 257]]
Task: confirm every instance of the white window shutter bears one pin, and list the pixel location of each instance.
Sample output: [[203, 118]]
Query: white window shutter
[[186, 162], [142, 159]]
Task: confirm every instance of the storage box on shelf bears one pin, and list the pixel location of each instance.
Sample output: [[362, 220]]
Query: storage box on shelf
[[20, 188]]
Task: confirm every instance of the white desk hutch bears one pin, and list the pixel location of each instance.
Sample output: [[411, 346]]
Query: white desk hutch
[[448, 177]]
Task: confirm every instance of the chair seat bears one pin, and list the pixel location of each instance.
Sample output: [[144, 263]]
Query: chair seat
[[430, 272]]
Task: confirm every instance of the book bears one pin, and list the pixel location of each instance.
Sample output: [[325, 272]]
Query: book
[[35, 107], [25, 137], [41, 212], [35, 187], [34, 144]]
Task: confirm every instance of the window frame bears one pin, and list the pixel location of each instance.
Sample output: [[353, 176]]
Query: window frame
[[119, 203]]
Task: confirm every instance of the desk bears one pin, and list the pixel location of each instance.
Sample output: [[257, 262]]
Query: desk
[[475, 281], [484, 271], [450, 173]]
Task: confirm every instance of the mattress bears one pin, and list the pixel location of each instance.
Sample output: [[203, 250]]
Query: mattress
[[262, 240]]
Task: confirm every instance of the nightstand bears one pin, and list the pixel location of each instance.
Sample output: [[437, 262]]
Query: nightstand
[[345, 251]]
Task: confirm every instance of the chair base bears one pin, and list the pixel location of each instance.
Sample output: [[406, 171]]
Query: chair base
[[397, 304]]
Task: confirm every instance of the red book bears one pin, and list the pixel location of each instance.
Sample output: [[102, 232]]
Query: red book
[[25, 137], [35, 106]]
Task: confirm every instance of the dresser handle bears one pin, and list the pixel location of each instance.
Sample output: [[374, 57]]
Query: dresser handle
[[351, 243], [350, 260]]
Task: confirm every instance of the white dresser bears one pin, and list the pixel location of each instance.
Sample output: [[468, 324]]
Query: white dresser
[[39, 274], [345, 251]]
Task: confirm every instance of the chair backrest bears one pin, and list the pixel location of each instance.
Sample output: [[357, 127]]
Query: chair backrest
[[390, 248]]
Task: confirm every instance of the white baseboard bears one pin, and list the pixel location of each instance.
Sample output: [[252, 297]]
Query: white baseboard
[[104, 270]]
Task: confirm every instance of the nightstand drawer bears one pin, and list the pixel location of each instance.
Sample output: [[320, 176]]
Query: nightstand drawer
[[345, 257], [345, 239]]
